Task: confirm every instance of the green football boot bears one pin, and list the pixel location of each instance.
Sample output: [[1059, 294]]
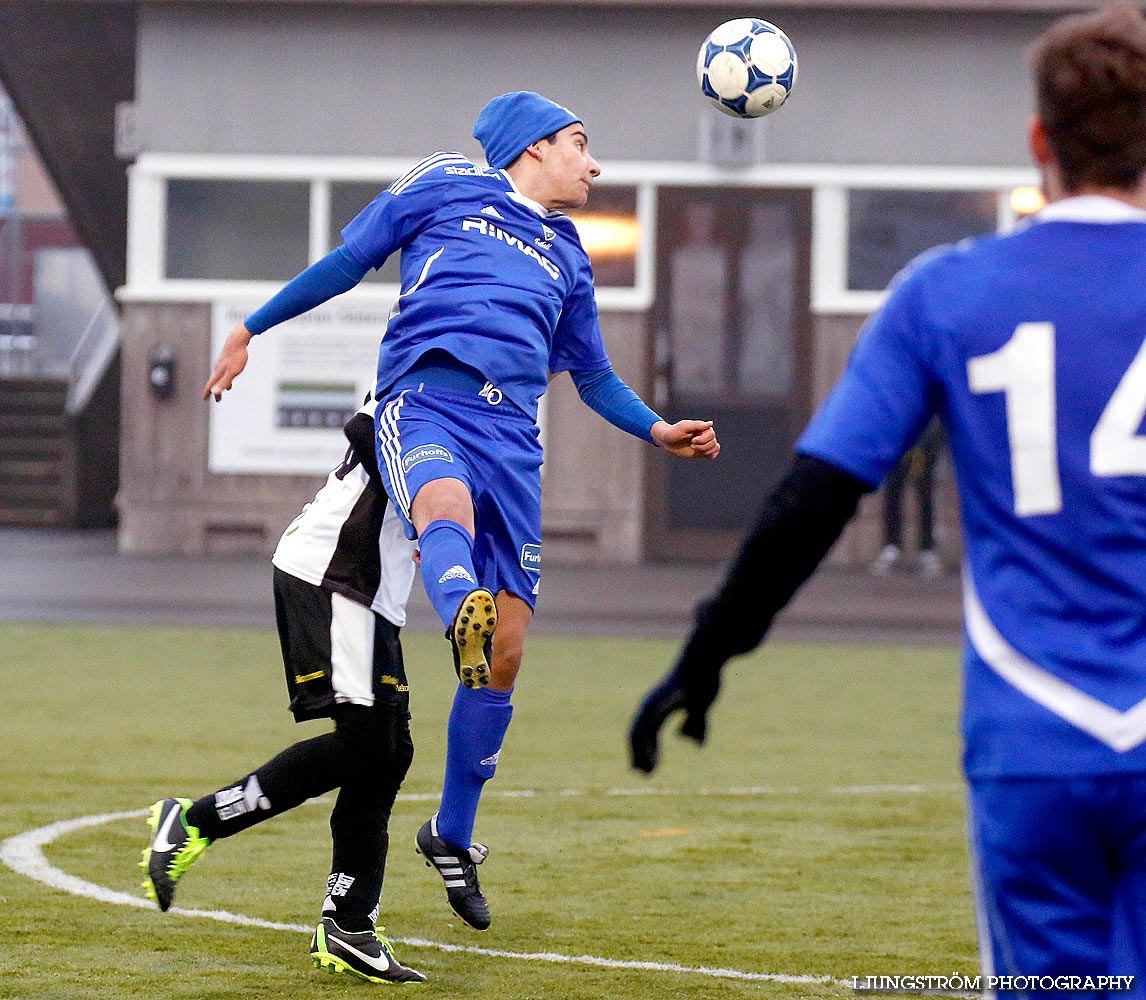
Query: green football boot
[[362, 953], [173, 849]]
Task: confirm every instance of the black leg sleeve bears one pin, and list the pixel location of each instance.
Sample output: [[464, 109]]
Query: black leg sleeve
[[796, 527], [378, 740], [302, 771]]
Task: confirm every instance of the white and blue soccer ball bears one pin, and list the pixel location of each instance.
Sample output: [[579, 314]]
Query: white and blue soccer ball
[[747, 67]]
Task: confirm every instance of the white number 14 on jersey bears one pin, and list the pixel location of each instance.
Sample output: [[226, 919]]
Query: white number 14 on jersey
[[1024, 369]]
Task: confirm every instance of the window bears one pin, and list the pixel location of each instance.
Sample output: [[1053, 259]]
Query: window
[[236, 229], [887, 229], [611, 233], [347, 199], [203, 226]]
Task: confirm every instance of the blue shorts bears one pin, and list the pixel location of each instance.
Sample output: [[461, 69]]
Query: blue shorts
[[1060, 878], [428, 432]]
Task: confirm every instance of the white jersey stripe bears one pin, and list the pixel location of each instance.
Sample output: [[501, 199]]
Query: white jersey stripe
[[421, 165], [351, 651], [390, 440], [395, 417], [396, 308], [1120, 731], [391, 451], [445, 161], [423, 168], [313, 548]]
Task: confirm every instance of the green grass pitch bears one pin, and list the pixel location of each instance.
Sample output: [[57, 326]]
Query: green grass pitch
[[820, 833]]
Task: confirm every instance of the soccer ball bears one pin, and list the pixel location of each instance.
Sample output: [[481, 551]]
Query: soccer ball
[[746, 67]]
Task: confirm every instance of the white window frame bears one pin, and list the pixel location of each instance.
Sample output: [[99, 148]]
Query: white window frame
[[829, 186], [830, 223], [147, 224]]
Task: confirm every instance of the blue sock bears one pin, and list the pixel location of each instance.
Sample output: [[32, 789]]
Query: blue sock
[[478, 722], [447, 566]]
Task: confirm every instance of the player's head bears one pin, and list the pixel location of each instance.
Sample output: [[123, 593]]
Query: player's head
[[542, 145], [1090, 86], [512, 122]]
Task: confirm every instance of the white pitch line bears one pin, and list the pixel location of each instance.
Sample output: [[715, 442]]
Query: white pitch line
[[24, 854], [651, 791], [766, 790]]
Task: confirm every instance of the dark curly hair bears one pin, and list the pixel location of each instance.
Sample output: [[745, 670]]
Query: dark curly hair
[[1090, 85]]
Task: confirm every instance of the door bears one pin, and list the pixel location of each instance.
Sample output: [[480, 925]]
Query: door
[[732, 341]]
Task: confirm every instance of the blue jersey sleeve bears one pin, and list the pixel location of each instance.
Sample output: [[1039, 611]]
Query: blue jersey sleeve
[[605, 393], [392, 219], [577, 341], [336, 273], [886, 395]]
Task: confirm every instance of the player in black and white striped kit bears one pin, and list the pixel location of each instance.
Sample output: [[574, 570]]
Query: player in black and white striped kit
[[342, 574]]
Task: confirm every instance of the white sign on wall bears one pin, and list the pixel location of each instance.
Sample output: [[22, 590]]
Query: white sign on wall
[[304, 378]]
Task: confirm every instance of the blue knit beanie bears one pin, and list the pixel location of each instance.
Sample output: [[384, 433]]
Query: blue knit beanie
[[513, 121]]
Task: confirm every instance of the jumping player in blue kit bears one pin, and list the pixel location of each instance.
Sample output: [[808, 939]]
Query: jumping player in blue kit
[[497, 297], [1031, 348]]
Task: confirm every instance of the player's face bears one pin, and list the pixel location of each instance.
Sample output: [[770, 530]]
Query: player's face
[[567, 169]]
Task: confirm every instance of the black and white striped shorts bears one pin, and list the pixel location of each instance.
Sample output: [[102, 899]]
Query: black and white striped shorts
[[335, 651]]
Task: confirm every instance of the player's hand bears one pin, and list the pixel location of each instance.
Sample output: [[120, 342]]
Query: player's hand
[[686, 438], [232, 360], [662, 701]]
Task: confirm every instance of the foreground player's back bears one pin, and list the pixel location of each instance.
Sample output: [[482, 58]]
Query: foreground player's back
[[1038, 343]]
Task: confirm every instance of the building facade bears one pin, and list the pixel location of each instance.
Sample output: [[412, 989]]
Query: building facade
[[735, 261]]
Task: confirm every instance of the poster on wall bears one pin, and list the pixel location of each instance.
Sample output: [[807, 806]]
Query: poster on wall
[[303, 381]]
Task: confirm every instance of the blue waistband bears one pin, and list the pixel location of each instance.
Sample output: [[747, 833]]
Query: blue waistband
[[443, 370]]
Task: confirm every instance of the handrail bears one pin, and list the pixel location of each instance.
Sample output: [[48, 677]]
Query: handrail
[[84, 376]]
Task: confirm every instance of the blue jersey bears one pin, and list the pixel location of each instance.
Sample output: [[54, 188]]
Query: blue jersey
[[487, 274], [1032, 349]]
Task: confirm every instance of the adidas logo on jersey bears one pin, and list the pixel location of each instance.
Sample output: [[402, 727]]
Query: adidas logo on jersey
[[493, 213], [455, 573]]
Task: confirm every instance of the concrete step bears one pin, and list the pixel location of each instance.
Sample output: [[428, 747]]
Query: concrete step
[[29, 470], [32, 447], [27, 492], [34, 440], [25, 397], [33, 425], [16, 515]]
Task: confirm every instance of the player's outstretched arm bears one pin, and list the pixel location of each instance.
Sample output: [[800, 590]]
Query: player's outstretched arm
[[686, 438], [604, 392], [231, 361], [337, 272], [796, 528]]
